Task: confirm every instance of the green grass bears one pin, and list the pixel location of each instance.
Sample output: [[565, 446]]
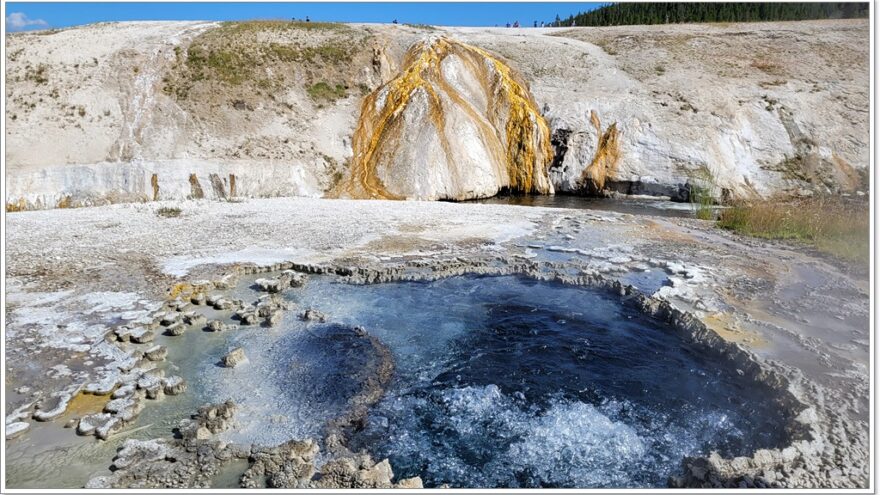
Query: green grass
[[236, 65], [703, 202], [230, 66], [323, 91], [425, 27], [833, 225], [245, 27]]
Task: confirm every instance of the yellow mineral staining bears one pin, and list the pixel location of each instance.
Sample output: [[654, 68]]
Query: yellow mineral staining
[[605, 160], [511, 128], [195, 187], [527, 134], [83, 403], [231, 185], [18, 205], [65, 202], [184, 290], [154, 182]]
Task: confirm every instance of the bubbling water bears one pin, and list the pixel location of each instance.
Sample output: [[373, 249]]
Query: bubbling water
[[510, 382], [498, 382]]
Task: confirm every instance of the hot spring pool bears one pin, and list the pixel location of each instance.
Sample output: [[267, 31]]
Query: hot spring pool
[[498, 382]]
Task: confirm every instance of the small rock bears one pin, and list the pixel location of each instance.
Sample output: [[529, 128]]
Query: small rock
[[169, 319], [222, 304], [313, 315], [126, 408], [296, 279], [175, 329], [123, 391], [275, 317], [89, 423], [110, 427], [227, 281], [52, 407], [123, 333], [247, 317], [151, 383], [103, 387], [194, 319], [142, 335], [268, 285], [156, 353], [411, 483], [234, 358], [219, 326], [15, 429], [174, 385], [137, 451]]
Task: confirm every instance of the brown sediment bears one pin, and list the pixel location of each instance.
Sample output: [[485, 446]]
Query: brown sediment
[[511, 128]]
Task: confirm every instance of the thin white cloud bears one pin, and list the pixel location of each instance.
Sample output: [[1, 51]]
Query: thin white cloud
[[19, 21]]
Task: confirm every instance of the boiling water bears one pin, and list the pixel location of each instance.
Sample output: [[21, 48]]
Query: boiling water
[[510, 382]]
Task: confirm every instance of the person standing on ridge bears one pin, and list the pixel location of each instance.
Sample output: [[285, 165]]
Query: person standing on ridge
[[307, 19]]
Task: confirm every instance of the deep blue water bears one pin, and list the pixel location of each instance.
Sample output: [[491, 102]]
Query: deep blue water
[[510, 382]]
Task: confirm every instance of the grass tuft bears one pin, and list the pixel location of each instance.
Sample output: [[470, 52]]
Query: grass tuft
[[701, 198], [168, 212], [834, 225], [323, 91]]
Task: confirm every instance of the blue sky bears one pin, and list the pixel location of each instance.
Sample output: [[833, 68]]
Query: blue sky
[[35, 15]]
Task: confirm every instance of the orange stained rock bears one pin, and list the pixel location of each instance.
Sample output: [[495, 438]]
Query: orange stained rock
[[511, 129], [605, 160]]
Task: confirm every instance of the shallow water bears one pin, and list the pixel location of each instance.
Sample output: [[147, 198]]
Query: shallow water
[[634, 206]]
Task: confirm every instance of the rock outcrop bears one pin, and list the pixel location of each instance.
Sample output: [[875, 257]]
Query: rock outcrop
[[136, 112], [456, 123]]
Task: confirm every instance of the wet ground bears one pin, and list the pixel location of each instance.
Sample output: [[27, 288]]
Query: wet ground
[[633, 206]]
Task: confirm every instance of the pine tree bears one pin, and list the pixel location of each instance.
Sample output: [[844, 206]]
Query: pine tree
[[616, 14]]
